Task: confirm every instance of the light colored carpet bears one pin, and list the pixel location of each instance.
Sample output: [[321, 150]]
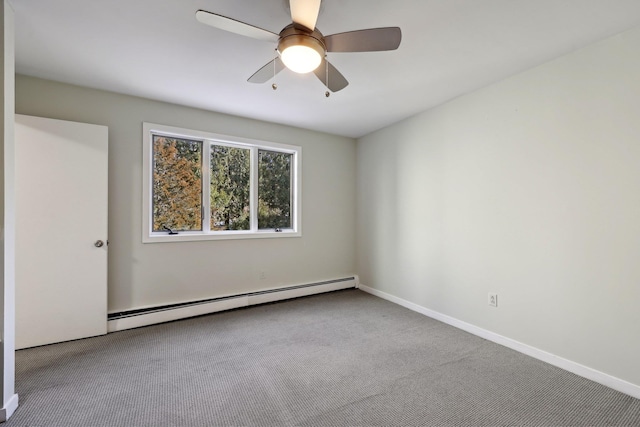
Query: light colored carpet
[[344, 358]]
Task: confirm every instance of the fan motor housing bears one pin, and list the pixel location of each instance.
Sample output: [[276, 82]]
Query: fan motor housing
[[293, 36]]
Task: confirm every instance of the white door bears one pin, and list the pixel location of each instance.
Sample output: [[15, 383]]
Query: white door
[[61, 218]]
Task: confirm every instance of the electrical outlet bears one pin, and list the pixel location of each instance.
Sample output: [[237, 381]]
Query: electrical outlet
[[493, 299]]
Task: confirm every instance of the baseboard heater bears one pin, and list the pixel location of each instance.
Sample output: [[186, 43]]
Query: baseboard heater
[[122, 320]]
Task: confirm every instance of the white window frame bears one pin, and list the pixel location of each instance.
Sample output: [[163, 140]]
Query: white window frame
[[150, 236]]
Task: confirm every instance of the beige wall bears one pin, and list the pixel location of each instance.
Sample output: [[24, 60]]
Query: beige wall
[[163, 273], [529, 188]]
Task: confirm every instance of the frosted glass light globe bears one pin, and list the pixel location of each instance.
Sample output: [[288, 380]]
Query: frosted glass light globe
[[301, 52], [300, 58]]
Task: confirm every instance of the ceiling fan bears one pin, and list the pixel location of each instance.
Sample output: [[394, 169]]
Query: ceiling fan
[[301, 46]]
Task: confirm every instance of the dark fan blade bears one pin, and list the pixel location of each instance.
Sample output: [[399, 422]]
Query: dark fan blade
[[371, 40], [233, 26], [305, 12], [336, 80], [267, 72]]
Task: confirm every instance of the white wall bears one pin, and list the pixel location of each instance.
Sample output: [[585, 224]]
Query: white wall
[[163, 273], [529, 188], [8, 398]]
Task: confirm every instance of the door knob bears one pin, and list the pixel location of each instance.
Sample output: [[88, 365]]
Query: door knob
[[99, 244]]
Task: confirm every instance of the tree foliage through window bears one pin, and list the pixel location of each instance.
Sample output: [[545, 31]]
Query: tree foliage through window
[[230, 191], [274, 190], [177, 184], [178, 187]]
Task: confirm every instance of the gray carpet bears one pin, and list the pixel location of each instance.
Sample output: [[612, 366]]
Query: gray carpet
[[344, 358]]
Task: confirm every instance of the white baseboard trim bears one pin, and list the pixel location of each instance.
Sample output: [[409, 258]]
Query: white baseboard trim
[[568, 365], [228, 303], [9, 408]]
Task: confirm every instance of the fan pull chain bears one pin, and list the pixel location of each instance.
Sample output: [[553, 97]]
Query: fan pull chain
[[326, 70], [274, 86]]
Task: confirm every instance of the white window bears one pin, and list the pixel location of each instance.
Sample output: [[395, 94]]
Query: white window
[[203, 186]]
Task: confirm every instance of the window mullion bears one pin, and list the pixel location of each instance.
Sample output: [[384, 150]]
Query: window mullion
[[206, 186], [253, 189], [292, 192]]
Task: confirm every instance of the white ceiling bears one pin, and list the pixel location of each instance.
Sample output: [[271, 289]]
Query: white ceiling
[[156, 49]]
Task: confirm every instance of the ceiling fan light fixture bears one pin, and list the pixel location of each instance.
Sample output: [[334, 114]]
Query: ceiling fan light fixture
[[301, 53]]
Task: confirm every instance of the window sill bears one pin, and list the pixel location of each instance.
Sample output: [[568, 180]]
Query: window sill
[[186, 236]]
